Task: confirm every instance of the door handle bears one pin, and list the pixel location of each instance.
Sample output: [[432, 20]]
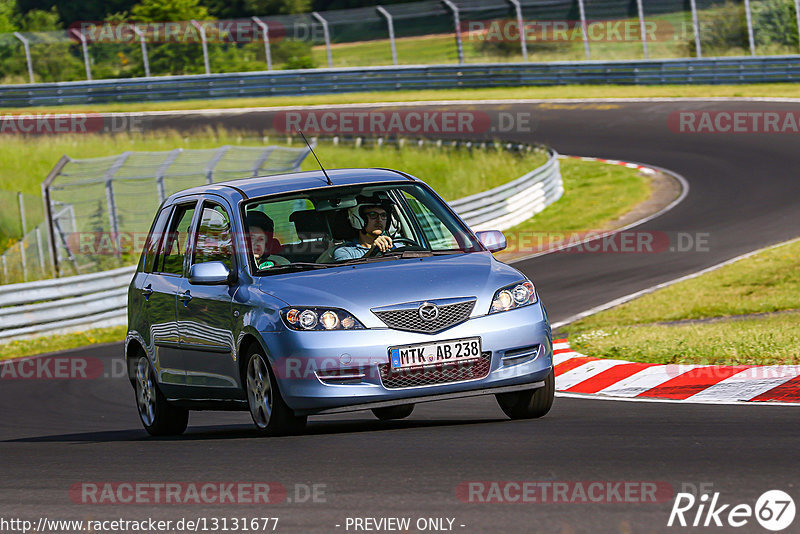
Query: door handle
[[185, 297], [147, 291]]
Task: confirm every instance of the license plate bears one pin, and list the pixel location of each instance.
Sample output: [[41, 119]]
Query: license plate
[[440, 352]]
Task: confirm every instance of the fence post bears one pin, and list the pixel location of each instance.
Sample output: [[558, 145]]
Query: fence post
[[213, 163], [202, 30], [5, 269], [27, 47], [145, 59], [265, 32], [518, 10], [326, 34], [162, 170], [85, 48], [696, 28], [584, 29], [40, 249], [48, 210], [261, 159], [642, 28], [457, 23], [113, 220], [390, 24], [24, 233], [748, 14]]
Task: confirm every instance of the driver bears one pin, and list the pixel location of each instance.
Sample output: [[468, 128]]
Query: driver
[[371, 221]]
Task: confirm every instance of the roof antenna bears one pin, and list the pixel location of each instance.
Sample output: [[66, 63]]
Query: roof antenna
[[315, 157]]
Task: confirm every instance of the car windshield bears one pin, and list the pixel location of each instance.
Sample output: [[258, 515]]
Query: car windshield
[[328, 227]]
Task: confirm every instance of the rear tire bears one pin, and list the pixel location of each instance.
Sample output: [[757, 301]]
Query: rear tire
[[271, 415], [393, 412], [158, 416], [530, 404]]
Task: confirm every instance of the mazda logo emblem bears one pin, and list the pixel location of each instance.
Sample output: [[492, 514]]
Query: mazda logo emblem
[[428, 311]]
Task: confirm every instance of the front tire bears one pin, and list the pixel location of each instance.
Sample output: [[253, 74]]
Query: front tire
[[158, 416], [270, 413], [529, 404], [393, 412]]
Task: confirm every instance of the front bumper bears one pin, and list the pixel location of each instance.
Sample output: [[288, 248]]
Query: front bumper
[[518, 343]]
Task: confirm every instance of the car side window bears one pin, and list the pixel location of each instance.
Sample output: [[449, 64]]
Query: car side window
[[154, 239], [170, 257], [214, 239]]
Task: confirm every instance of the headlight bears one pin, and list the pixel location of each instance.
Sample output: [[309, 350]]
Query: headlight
[[514, 296], [319, 319]]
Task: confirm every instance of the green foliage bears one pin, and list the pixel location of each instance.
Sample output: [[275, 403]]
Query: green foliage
[[9, 16], [169, 10], [724, 27], [775, 22], [293, 54], [274, 7], [38, 20]]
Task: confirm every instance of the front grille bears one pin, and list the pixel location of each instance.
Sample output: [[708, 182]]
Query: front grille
[[410, 320], [436, 374]]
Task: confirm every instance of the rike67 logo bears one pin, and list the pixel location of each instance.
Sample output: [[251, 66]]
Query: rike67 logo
[[774, 510]]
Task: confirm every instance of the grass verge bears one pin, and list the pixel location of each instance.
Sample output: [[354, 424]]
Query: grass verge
[[56, 342], [774, 90], [709, 319], [594, 195]]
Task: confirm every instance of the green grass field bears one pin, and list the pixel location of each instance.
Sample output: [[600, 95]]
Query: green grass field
[[25, 161], [709, 319]]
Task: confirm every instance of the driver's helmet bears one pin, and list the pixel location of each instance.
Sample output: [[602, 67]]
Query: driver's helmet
[[358, 218]]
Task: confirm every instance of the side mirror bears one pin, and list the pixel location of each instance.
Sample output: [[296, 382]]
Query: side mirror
[[493, 240], [209, 273]]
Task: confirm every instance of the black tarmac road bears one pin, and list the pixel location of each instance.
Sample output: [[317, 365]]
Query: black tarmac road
[[59, 434]]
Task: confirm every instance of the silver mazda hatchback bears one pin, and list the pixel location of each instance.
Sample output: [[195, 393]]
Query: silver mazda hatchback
[[307, 293]]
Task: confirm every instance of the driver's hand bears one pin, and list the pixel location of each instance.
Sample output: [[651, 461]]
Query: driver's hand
[[382, 243]]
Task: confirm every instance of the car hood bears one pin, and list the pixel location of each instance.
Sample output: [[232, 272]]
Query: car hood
[[358, 288]]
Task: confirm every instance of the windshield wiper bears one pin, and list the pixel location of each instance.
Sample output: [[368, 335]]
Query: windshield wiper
[[366, 259], [297, 266], [408, 253]]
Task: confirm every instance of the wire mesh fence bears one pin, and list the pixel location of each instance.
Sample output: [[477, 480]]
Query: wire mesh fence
[[101, 208], [427, 32]]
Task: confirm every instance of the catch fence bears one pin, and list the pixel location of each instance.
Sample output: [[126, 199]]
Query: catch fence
[[431, 32], [104, 206]]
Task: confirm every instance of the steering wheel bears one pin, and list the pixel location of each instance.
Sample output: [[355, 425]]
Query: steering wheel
[[374, 251]]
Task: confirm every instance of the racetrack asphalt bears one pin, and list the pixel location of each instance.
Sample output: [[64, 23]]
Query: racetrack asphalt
[[743, 195]]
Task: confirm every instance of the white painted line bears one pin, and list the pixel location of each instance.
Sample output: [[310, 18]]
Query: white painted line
[[748, 384], [584, 372], [645, 380], [564, 356], [595, 397]]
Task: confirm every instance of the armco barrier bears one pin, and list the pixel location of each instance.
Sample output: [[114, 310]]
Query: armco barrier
[[730, 70], [100, 299]]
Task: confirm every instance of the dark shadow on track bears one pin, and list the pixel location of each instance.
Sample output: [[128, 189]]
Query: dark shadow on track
[[200, 433]]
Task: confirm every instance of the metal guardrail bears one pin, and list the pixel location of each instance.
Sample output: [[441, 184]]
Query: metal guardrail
[[730, 70], [97, 300], [510, 204], [100, 299]]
